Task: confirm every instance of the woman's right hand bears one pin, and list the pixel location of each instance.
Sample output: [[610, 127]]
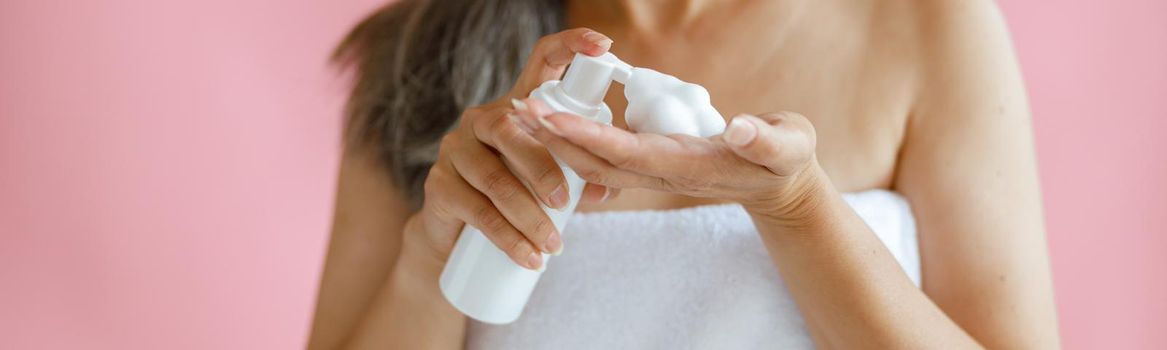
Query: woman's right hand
[[469, 183]]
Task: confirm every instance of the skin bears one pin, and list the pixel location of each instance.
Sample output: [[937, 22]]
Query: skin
[[924, 98]]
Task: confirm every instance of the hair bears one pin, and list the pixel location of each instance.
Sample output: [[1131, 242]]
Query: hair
[[419, 63]]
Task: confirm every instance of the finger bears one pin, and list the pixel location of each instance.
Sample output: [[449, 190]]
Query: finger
[[483, 170], [529, 159], [594, 193], [782, 142], [647, 154], [596, 170], [553, 53], [451, 200], [588, 166]]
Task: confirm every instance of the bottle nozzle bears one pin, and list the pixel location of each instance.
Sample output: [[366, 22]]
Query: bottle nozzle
[[588, 78], [622, 71]]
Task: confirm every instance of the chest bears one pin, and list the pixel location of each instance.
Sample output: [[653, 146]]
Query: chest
[[858, 95], [849, 69]]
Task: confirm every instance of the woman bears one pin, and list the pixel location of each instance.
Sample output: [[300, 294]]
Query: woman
[[919, 99]]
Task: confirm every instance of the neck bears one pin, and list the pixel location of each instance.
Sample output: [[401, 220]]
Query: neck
[[659, 14], [670, 16], [646, 15]]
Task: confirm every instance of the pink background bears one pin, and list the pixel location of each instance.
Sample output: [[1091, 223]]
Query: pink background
[[167, 168]]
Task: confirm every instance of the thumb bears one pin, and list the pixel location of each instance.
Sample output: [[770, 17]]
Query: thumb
[[782, 142]]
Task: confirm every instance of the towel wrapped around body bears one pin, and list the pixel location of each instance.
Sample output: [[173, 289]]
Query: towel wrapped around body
[[693, 278]]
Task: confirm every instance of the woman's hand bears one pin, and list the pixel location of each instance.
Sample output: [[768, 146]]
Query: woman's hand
[[469, 183], [765, 162]]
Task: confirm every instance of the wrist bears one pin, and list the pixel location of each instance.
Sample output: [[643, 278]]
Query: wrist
[[414, 281], [799, 204], [414, 293], [418, 261], [418, 269]]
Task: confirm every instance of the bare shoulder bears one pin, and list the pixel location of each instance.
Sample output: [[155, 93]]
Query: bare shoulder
[[944, 34], [947, 15], [965, 59], [963, 36]]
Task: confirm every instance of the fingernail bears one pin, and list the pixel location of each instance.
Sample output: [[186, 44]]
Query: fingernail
[[519, 105], [529, 120], [550, 127], [607, 192], [534, 261], [558, 198], [519, 122], [740, 132], [554, 245], [598, 39]]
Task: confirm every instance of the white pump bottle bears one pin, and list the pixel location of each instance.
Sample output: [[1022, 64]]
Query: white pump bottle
[[479, 279]]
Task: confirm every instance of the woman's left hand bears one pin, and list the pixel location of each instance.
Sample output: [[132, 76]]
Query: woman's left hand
[[766, 162]]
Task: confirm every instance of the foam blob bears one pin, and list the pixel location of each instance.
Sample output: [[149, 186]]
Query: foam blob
[[659, 103]]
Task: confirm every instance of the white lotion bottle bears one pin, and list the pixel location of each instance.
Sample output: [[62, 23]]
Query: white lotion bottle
[[479, 279]]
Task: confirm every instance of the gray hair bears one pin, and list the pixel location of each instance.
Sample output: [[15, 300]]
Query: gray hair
[[419, 63]]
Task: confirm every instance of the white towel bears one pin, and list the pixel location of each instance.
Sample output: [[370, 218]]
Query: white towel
[[694, 278]]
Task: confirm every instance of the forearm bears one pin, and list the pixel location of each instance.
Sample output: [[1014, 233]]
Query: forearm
[[848, 286], [410, 312]]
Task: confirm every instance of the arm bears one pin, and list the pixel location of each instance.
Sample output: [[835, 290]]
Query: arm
[[380, 284], [969, 169], [967, 166], [367, 281], [849, 288]]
